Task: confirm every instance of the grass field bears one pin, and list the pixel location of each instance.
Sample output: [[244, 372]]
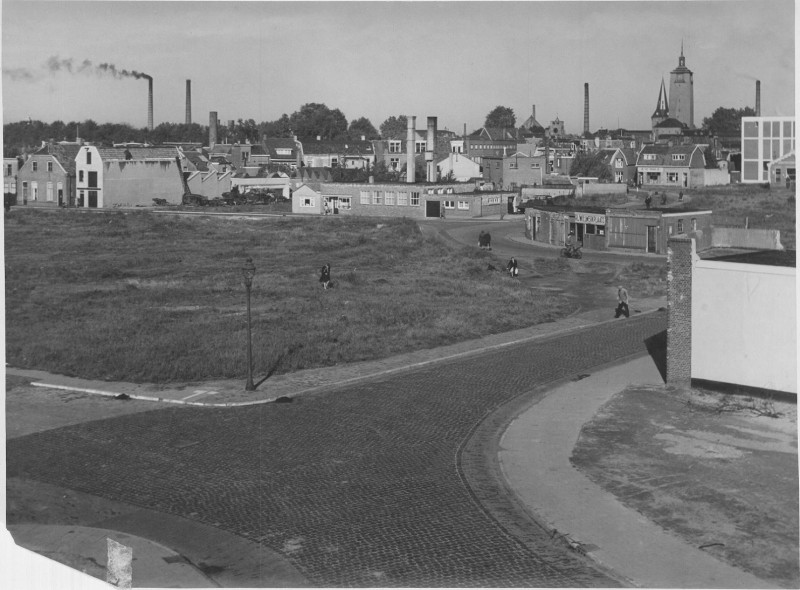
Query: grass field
[[148, 298]]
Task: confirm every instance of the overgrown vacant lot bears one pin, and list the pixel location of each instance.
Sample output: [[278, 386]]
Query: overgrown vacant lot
[[151, 298]]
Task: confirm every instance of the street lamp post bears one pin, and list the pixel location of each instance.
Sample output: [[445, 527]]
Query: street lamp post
[[248, 272]]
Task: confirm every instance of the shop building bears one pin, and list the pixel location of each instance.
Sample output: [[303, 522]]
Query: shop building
[[643, 230]]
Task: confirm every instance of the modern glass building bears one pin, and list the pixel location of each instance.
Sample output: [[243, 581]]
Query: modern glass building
[[764, 140]]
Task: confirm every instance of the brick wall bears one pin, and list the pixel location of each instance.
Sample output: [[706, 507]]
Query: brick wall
[[680, 256]]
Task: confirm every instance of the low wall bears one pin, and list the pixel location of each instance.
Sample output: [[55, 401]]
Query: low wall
[[601, 188], [751, 239]]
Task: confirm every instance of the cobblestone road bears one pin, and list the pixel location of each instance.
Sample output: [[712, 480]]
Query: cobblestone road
[[361, 486]]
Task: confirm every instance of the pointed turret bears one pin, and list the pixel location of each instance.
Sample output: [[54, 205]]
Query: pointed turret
[[662, 109]]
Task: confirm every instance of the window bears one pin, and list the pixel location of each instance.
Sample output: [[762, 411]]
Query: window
[[390, 197], [35, 166], [648, 156], [414, 199], [535, 165], [618, 163], [88, 156], [8, 169], [463, 205], [512, 165], [49, 190], [307, 202], [694, 223], [419, 147], [680, 226], [601, 230], [402, 199], [449, 204], [678, 157], [35, 191], [366, 197], [334, 160], [377, 197], [49, 166], [395, 147], [80, 175], [345, 204], [394, 163], [669, 229], [672, 176]]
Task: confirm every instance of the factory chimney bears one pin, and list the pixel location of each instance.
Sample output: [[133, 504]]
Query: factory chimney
[[758, 98], [410, 166], [430, 147], [188, 102], [212, 129], [150, 103], [586, 108]]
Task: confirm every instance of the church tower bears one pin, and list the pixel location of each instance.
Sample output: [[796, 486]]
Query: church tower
[[662, 110], [681, 93]]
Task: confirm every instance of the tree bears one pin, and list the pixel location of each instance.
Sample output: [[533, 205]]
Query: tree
[[394, 127], [383, 173], [590, 164], [315, 119], [726, 121], [501, 117], [362, 126], [279, 128]]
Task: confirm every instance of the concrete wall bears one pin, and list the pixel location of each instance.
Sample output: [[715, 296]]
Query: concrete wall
[[730, 322], [135, 183], [209, 184], [752, 239], [716, 177], [744, 324]]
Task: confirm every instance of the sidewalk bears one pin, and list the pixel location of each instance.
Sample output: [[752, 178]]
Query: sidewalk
[[535, 460]]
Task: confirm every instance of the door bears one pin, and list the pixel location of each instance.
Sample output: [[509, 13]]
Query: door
[[651, 238], [432, 208], [92, 198], [511, 205]]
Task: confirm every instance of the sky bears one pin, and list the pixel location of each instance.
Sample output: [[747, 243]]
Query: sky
[[453, 60]]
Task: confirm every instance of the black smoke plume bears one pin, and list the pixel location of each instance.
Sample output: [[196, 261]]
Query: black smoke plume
[[56, 64]]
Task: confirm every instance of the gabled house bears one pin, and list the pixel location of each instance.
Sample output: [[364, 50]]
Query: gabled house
[[47, 177], [671, 166], [621, 163], [783, 170], [127, 177]]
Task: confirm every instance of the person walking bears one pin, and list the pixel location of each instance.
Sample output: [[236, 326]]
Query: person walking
[[622, 306], [482, 240], [325, 276], [512, 269]]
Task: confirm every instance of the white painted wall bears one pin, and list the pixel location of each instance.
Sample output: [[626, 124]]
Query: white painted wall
[[744, 324]]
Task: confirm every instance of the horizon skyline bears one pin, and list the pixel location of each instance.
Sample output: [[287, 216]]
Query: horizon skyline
[[395, 56]]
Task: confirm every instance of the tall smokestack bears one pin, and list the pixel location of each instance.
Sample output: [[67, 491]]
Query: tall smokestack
[[410, 171], [212, 129], [586, 108], [430, 147], [188, 102], [150, 103], [758, 98]]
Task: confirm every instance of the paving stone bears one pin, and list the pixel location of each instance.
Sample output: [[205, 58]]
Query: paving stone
[[364, 485]]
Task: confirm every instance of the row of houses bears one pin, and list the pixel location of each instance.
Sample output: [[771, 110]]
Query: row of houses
[[70, 173]]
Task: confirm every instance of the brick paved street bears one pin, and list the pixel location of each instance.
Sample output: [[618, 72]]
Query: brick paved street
[[361, 486]]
